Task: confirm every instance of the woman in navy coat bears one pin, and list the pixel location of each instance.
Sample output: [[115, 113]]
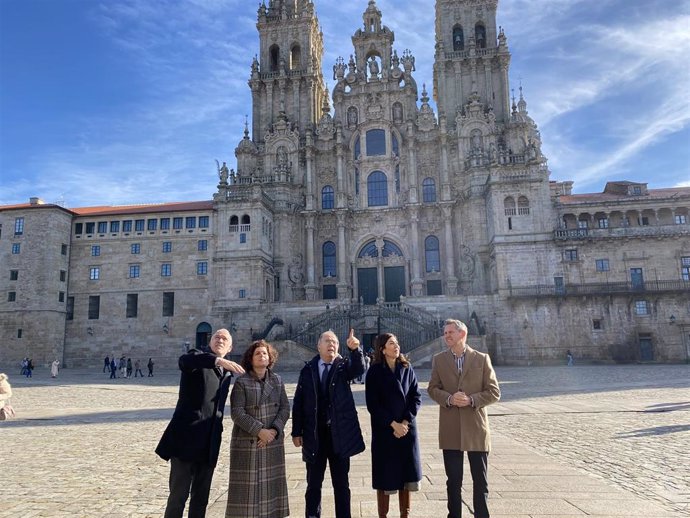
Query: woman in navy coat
[[393, 399]]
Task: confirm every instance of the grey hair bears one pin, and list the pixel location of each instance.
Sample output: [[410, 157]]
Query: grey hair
[[457, 323]]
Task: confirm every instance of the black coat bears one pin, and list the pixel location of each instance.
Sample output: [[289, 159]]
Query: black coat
[[196, 427], [393, 396], [345, 431]]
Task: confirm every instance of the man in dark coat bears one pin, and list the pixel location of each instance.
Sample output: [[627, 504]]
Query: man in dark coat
[[191, 441], [324, 421]]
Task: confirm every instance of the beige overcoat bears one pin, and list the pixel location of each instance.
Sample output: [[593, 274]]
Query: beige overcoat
[[466, 428]]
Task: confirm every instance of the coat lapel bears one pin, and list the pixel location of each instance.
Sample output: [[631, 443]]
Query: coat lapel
[[269, 387]]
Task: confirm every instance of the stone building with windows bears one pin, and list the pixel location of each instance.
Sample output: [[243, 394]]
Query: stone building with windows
[[380, 213]]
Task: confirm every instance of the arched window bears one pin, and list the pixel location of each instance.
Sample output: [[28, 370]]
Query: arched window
[[327, 198], [246, 220], [509, 206], [458, 38], [295, 58], [377, 189], [391, 249], [432, 254], [376, 142], [274, 56], [369, 250], [329, 259], [234, 224], [480, 35], [429, 190], [523, 206]]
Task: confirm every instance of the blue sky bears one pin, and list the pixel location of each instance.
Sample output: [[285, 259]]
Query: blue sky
[[132, 101]]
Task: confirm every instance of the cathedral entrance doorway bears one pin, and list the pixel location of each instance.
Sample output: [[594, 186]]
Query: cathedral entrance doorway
[[380, 272], [203, 335]]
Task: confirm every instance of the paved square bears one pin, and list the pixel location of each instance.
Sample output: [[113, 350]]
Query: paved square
[[604, 441]]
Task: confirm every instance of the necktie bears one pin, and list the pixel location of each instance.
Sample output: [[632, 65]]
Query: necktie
[[324, 377]]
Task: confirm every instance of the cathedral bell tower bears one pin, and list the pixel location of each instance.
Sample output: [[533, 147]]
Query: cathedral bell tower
[[287, 82], [472, 58]]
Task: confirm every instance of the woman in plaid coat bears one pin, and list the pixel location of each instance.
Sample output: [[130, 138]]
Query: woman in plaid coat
[[260, 409]]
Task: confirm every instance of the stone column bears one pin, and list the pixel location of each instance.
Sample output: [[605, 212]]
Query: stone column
[[412, 157], [343, 285], [310, 287], [379, 271], [341, 195], [451, 279], [445, 174], [310, 175], [417, 284]]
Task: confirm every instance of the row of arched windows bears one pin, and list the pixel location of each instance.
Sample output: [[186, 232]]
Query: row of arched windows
[[513, 209], [459, 36], [377, 190], [235, 223], [432, 254], [295, 58]]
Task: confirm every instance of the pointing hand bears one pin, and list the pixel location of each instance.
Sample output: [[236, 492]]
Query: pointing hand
[[352, 340]]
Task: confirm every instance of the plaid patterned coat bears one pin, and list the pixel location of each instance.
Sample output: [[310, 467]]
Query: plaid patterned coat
[[258, 487]]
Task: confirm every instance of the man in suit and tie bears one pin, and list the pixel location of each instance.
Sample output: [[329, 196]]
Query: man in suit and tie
[[325, 423], [191, 441], [463, 383]]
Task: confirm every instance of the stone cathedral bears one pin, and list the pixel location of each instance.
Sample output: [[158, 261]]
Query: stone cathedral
[[365, 207]]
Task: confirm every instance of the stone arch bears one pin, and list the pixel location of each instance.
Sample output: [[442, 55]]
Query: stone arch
[[480, 35], [458, 38], [274, 58], [509, 206], [295, 57]]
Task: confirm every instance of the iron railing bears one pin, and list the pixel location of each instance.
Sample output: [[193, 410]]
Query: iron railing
[[608, 288]]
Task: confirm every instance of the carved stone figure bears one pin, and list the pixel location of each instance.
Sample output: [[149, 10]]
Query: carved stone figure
[[373, 67]]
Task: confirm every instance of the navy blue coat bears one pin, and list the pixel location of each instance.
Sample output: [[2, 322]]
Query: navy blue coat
[[345, 431], [195, 430], [393, 396]]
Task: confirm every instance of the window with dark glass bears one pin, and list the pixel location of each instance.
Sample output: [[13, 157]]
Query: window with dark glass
[[329, 259], [11, 296], [63, 249], [18, 226], [434, 287], [570, 254], [94, 307], [246, 220], [429, 190], [603, 222], [14, 275], [78, 228], [139, 225], [95, 250], [102, 227], [70, 308], [135, 248], [90, 227], [168, 303], [190, 222], [94, 273], [134, 271], [432, 254], [61, 296], [177, 223], [202, 245], [480, 35], [132, 305], [203, 222], [391, 249], [166, 270], [114, 226], [167, 247], [376, 142], [243, 237], [602, 265], [330, 292], [681, 219], [641, 307], [458, 38], [377, 189], [685, 268], [327, 197], [16, 248], [243, 294], [165, 223], [202, 268], [63, 275], [127, 225], [151, 224]]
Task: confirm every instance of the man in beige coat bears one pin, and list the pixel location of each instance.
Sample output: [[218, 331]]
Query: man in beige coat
[[463, 383]]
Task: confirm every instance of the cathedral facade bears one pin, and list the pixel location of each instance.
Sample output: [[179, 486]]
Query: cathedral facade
[[366, 208]]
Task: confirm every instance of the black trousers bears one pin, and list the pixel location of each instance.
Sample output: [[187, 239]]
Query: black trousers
[[453, 462], [188, 478], [340, 469]]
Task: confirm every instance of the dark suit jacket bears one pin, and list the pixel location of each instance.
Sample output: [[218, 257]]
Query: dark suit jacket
[[345, 431], [196, 427]]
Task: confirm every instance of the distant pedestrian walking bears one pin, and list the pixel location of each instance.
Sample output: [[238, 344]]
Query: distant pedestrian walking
[[137, 368], [106, 364], [29, 368], [54, 368], [113, 369], [150, 366], [24, 363], [129, 367], [569, 357], [123, 367]]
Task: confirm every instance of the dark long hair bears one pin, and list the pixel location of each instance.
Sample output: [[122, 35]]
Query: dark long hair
[[249, 353], [380, 345]]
